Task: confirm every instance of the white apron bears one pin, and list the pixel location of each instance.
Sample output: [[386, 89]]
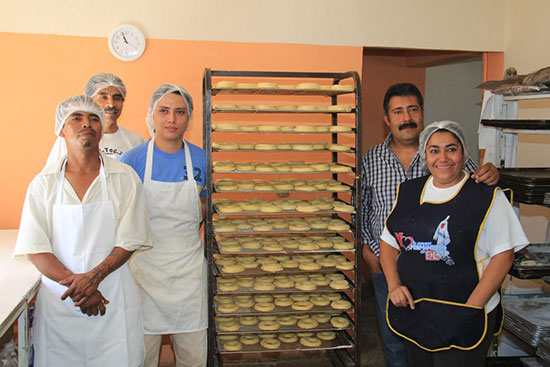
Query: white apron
[[83, 236], [171, 277]]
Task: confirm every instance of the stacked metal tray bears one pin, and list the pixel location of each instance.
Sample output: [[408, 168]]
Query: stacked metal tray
[[527, 317], [530, 185], [532, 262], [543, 351]]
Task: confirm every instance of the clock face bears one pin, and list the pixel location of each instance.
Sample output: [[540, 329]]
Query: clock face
[[127, 42]]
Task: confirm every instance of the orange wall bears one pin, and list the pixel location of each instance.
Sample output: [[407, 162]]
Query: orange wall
[[382, 69], [39, 71]]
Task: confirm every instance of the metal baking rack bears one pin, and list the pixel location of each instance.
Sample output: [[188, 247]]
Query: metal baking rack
[[345, 350], [254, 329]]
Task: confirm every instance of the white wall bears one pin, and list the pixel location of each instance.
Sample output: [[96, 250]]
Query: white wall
[[477, 25], [450, 94]]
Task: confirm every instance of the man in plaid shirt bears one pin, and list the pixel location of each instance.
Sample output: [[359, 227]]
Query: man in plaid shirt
[[384, 167]]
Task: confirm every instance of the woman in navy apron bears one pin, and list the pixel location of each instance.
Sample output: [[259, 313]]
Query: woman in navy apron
[[446, 248]]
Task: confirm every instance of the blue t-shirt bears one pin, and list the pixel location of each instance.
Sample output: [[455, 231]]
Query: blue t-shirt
[[168, 167]]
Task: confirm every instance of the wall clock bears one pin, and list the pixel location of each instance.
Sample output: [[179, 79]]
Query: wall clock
[[126, 42]]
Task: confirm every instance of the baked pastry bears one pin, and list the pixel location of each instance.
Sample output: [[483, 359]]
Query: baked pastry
[[249, 339], [308, 323], [339, 284], [287, 320], [270, 343], [288, 338], [340, 304], [339, 322], [310, 342], [272, 268], [246, 85], [319, 300], [267, 85], [308, 86], [227, 308], [302, 306], [225, 106], [248, 320], [228, 326], [232, 345], [305, 285], [264, 306], [326, 335], [232, 269], [225, 126], [268, 325], [226, 84]]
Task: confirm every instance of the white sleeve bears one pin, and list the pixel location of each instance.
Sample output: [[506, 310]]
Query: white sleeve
[[133, 231], [34, 234], [388, 238], [502, 230], [59, 150]]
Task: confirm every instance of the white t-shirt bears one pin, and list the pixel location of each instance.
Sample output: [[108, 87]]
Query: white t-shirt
[[125, 191], [502, 230], [111, 145]]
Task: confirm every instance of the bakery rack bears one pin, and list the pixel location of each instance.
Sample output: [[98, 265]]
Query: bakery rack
[[327, 118]]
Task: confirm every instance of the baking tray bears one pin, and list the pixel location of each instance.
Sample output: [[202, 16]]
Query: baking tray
[[530, 185], [253, 329], [342, 341], [538, 252], [319, 289], [527, 317], [259, 272], [245, 251], [302, 358], [250, 311], [518, 124], [289, 172], [275, 110], [282, 212], [279, 91]]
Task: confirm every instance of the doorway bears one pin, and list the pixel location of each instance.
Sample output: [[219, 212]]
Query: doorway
[[447, 79]]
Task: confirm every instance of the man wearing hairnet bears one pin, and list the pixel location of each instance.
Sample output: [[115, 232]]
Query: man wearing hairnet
[[384, 167], [83, 217], [109, 92], [172, 277]]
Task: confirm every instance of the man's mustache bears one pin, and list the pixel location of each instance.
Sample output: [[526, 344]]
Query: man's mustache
[[111, 110], [407, 125]]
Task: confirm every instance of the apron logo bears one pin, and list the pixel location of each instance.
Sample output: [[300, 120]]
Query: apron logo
[[436, 249]]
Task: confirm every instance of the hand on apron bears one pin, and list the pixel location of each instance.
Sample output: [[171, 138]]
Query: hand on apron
[[94, 305], [81, 286]]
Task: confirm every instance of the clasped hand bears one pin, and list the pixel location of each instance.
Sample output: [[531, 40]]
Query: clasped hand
[[82, 289]]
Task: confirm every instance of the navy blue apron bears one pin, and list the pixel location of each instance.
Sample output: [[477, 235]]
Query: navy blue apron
[[438, 265]]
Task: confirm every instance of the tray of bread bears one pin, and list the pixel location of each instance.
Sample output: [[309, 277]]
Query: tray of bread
[[284, 284], [280, 185], [532, 262], [282, 244], [291, 167], [289, 225], [268, 108], [281, 147], [260, 206], [287, 341], [293, 304], [282, 264], [284, 129], [272, 88]]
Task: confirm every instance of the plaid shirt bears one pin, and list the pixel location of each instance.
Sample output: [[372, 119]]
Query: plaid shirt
[[381, 175]]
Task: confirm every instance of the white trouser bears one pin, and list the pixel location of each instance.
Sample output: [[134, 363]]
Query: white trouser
[[190, 349]]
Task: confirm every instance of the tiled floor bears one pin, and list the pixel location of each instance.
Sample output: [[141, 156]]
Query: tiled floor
[[372, 353]]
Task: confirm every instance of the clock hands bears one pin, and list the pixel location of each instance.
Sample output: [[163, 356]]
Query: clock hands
[[124, 38]]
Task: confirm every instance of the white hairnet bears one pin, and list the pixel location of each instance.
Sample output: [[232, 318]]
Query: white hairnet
[[104, 80], [73, 104], [160, 92], [436, 126]]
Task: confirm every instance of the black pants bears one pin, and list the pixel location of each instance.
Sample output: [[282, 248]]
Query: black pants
[[418, 357]]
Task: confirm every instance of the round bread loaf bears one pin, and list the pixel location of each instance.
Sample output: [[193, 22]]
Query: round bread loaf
[[310, 342], [249, 339], [232, 345], [270, 343]]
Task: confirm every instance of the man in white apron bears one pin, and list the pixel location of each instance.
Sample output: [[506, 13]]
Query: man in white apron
[[109, 92], [171, 278], [82, 219]]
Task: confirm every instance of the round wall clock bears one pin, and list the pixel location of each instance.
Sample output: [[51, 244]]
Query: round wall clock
[[126, 42]]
